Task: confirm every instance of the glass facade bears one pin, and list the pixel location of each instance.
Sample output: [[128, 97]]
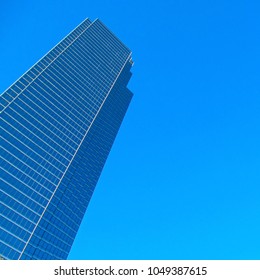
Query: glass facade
[[58, 124]]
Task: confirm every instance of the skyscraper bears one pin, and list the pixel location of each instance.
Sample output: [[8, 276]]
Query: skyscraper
[[58, 123]]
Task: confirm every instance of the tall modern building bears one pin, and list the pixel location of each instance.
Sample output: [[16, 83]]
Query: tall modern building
[[58, 123]]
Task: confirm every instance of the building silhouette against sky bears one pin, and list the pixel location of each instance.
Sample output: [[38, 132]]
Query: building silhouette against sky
[[58, 123]]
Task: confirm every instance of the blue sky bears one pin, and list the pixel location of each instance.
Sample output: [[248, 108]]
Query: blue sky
[[182, 180]]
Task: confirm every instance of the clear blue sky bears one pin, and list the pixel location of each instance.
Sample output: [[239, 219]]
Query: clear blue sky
[[183, 178]]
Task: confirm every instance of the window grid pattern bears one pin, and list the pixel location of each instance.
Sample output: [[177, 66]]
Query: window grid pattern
[[62, 219], [44, 118], [14, 90]]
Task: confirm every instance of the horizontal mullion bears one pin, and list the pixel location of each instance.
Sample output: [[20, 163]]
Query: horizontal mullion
[[13, 234], [18, 251], [95, 41], [63, 111], [53, 180], [59, 73], [69, 84], [25, 157], [29, 212], [100, 76], [25, 233], [80, 54], [34, 186], [70, 103], [60, 118], [18, 193], [100, 44], [18, 214], [110, 39], [57, 248], [37, 133], [67, 77], [26, 189], [41, 120], [92, 56], [42, 158], [22, 176], [49, 151]]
